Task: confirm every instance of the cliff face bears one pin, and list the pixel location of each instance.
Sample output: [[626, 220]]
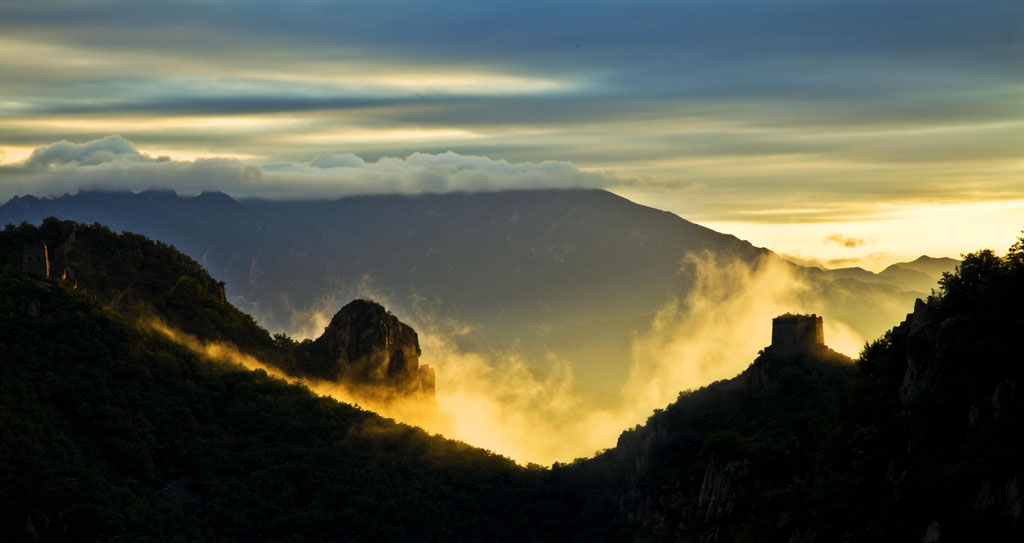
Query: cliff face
[[366, 345], [718, 488]]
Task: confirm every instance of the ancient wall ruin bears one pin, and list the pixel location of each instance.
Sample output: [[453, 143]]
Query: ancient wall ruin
[[797, 332], [36, 260]]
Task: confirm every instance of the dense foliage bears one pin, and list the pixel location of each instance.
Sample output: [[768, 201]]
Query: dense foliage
[[139, 277], [149, 280], [931, 436], [110, 431], [924, 445]]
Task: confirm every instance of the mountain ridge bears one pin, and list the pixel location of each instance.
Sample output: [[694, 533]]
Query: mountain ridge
[[375, 357], [113, 430], [575, 274]]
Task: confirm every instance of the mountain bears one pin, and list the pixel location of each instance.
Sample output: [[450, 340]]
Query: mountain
[[920, 275], [931, 266], [365, 348], [573, 275], [111, 430], [919, 440]]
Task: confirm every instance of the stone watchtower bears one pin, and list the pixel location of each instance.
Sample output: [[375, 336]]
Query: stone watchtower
[[36, 260], [796, 333]]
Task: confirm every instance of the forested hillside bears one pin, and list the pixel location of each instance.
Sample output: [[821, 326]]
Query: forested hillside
[[111, 431], [154, 282], [919, 441]]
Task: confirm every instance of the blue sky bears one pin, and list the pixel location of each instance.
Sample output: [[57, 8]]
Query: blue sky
[[788, 120]]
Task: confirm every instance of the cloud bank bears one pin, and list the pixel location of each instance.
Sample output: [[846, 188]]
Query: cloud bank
[[114, 163], [722, 110]]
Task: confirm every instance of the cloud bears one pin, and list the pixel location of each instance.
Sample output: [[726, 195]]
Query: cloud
[[114, 163], [844, 241], [64, 153], [761, 105]]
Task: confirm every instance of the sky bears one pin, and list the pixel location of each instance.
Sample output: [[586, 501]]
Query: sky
[[843, 132]]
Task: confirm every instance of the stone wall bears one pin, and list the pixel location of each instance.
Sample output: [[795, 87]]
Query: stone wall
[[797, 332], [36, 260]]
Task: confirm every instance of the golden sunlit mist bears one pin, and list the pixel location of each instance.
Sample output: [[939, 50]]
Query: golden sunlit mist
[[496, 402]]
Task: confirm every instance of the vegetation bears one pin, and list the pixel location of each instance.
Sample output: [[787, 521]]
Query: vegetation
[[110, 431], [149, 280], [139, 277], [924, 442]]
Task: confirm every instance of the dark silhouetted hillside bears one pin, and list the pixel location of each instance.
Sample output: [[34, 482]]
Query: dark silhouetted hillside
[[151, 280], [110, 431], [919, 441]]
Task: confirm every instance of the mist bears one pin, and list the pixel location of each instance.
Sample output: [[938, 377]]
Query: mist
[[497, 402]]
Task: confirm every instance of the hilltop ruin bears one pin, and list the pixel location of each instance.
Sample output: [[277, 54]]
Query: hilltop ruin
[[797, 333], [35, 260]]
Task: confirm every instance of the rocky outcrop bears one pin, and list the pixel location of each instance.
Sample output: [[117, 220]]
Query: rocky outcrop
[[637, 503], [365, 345], [932, 534], [771, 364], [920, 370], [718, 489]]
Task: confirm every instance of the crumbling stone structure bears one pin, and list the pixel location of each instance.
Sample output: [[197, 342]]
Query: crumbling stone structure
[[36, 260], [796, 333]]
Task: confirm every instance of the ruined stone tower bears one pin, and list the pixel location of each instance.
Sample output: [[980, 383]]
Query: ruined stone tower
[[36, 260], [795, 333]]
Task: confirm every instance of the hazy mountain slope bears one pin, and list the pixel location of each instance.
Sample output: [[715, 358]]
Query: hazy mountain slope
[[931, 266], [570, 271], [574, 273], [112, 432], [921, 275]]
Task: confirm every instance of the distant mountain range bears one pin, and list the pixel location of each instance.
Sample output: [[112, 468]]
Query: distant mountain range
[[920, 275], [570, 273]]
